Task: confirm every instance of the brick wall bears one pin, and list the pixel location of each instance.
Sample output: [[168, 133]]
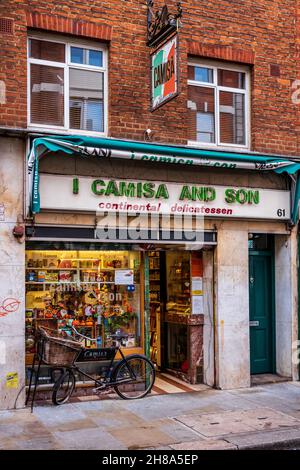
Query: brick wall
[[260, 33]]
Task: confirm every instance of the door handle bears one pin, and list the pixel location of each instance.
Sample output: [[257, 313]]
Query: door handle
[[254, 323], [251, 280]]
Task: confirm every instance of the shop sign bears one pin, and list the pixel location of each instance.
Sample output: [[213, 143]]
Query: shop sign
[[164, 73], [149, 197]]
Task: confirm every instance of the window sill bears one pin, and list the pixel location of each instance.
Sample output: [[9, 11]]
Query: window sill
[[50, 130], [222, 148]]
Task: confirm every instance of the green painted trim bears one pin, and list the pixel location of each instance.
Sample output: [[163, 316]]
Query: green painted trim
[[298, 302], [146, 306]]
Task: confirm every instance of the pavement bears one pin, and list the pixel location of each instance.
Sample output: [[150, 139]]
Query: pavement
[[260, 417]]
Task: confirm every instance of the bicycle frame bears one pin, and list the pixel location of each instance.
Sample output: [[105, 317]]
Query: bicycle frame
[[107, 382]]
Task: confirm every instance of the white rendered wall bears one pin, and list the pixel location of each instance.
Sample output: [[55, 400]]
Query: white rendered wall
[[12, 279], [232, 306]]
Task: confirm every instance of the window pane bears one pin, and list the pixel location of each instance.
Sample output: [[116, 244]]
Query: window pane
[[200, 74], [201, 114], [86, 100], [231, 79], [95, 58], [232, 118], [47, 95], [83, 56], [77, 55], [46, 50]]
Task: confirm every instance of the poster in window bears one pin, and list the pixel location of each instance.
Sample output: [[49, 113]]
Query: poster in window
[[124, 277]]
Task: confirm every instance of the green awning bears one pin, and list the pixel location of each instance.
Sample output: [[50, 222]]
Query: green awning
[[149, 152]]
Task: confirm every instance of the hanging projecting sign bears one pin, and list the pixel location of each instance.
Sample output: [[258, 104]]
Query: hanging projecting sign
[[164, 73], [151, 197]]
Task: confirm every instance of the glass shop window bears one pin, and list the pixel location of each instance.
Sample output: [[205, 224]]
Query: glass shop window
[[97, 292]]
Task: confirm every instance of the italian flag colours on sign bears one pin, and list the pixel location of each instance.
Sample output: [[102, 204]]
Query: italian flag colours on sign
[[164, 83]]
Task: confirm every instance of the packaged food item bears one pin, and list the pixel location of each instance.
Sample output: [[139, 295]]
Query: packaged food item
[[130, 343], [65, 263], [51, 276], [31, 276], [29, 313], [41, 276], [65, 276]]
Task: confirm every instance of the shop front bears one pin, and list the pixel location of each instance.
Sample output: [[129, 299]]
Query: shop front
[[139, 297], [175, 265]]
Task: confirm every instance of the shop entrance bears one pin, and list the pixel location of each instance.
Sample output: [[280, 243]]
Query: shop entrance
[[171, 274], [261, 296]]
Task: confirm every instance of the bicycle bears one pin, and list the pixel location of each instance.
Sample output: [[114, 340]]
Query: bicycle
[[131, 378]]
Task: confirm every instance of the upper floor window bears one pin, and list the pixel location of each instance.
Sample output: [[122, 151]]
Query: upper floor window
[[67, 85], [218, 105]]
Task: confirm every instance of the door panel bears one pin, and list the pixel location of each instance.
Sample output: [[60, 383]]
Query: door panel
[[261, 315]]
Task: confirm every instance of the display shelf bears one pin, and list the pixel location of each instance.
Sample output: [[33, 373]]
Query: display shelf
[[69, 282], [100, 269], [51, 269]]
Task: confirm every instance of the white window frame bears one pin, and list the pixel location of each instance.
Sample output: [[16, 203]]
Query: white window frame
[[66, 65], [214, 66]]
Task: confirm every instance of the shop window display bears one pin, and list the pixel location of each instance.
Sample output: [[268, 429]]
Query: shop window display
[[97, 292]]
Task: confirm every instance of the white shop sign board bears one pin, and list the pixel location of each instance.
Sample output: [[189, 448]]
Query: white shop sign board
[[56, 193]]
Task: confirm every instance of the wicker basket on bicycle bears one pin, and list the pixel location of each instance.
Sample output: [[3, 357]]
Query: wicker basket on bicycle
[[55, 349]]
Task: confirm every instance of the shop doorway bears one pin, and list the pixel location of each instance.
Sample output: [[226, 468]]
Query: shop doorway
[[262, 325], [170, 283]]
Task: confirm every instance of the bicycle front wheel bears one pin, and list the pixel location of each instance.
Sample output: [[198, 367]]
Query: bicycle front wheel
[[63, 388], [136, 375]]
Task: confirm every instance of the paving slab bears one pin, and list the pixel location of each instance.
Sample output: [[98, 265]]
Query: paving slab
[[267, 439], [38, 443], [266, 418], [54, 415], [93, 439], [160, 406], [177, 430], [74, 425], [108, 419], [139, 437], [234, 422], [204, 445]]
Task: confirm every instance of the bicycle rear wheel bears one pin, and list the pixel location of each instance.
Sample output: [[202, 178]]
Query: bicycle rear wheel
[[63, 388], [137, 374]]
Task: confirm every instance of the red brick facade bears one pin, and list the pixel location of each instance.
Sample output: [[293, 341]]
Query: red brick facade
[[261, 34]]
